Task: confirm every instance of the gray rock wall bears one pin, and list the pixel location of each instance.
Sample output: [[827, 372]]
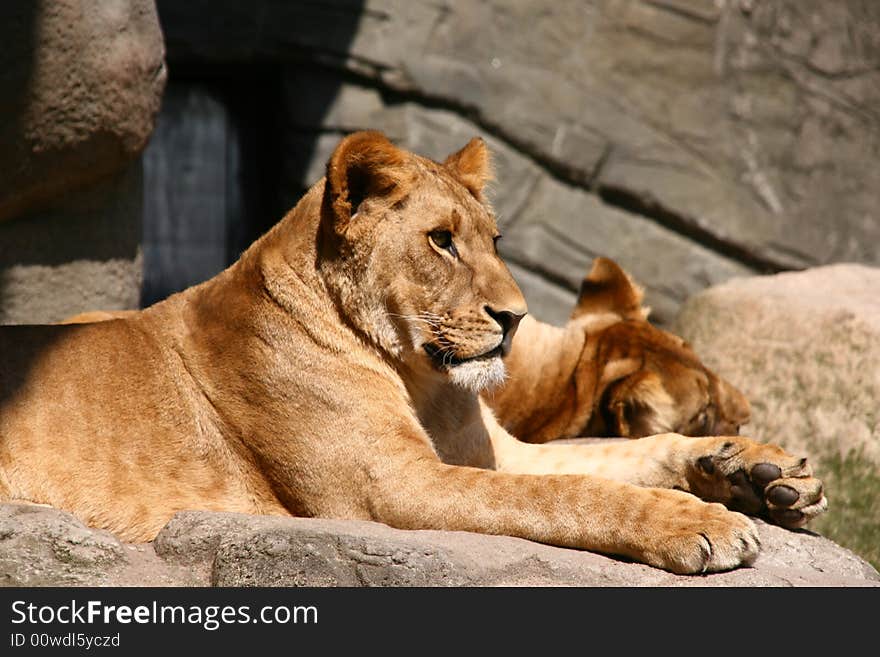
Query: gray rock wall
[[80, 86], [80, 83], [83, 254], [691, 140]]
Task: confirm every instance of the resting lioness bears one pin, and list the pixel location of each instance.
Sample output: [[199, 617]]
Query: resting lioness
[[334, 371], [609, 372]]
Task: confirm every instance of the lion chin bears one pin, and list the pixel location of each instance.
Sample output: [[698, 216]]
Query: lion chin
[[478, 375]]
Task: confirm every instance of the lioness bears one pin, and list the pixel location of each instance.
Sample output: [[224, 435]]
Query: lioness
[[609, 372], [334, 371]]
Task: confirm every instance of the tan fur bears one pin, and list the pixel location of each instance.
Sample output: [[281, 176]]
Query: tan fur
[[320, 376], [97, 316], [609, 372]]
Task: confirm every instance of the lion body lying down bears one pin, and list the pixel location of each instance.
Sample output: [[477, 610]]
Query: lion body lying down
[[334, 371], [609, 372]]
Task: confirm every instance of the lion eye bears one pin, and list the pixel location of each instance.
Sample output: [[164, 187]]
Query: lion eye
[[442, 239]]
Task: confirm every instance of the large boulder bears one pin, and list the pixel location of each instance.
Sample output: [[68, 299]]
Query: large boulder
[[81, 84], [81, 255], [80, 87], [804, 347], [41, 546]]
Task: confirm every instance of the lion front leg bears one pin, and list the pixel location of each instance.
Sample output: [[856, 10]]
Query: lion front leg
[[744, 475], [664, 528]]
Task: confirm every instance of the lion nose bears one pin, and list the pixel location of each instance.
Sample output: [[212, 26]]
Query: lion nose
[[508, 321]]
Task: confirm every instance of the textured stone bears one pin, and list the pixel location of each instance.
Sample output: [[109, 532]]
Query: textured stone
[[552, 230], [226, 549], [751, 127], [690, 140], [85, 255], [561, 229], [40, 546], [804, 347], [262, 551], [80, 84]]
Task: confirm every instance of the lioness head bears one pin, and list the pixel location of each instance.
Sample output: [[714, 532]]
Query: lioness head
[[653, 380], [408, 252]]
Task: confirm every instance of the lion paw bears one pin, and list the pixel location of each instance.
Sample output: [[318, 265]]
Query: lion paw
[[696, 537], [760, 480]]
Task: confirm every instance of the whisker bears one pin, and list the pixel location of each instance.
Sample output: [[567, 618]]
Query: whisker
[[432, 321]]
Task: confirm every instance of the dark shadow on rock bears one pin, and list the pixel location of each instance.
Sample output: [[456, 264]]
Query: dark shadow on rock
[[21, 241], [18, 20], [236, 65], [45, 237], [211, 174]]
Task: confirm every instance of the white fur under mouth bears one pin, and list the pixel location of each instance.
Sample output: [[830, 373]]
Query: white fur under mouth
[[478, 375]]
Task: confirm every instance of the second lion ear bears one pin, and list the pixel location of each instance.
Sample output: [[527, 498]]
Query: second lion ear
[[364, 165], [608, 289], [472, 166]]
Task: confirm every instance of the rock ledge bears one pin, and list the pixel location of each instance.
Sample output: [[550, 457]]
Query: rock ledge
[[41, 546]]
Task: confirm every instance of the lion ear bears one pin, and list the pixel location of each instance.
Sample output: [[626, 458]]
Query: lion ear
[[472, 166], [640, 406], [609, 289], [364, 165]]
